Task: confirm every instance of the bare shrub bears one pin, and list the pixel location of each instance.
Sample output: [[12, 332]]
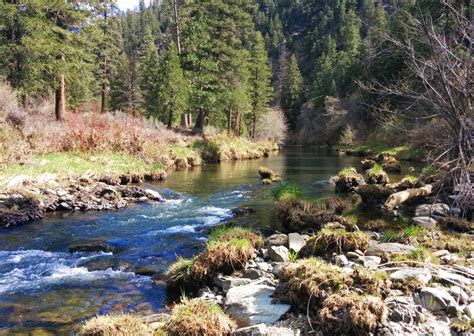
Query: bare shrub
[[348, 136], [272, 126], [8, 101]]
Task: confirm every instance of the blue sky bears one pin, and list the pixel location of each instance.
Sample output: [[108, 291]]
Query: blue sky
[[128, 4]]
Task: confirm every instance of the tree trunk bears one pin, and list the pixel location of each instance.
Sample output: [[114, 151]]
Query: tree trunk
[[254, 122], [103, 97], [60, 101], [177, 30], [199, 125], [103, 91], [398, 198], [229, 122], [170, 117]]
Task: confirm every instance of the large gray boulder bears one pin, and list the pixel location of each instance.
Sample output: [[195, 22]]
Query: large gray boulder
[[296, 242], [434, 298], [252, 304], [437, 209]]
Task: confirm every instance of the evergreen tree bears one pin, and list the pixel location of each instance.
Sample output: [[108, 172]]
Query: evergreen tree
[[260, 76], [172, 92], [292, 92]]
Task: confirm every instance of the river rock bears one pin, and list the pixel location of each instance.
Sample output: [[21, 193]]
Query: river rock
[[434, 298], [388, 249], [459, 294], [278, 253], [228, 282], [371, 262], [277, 239], [296, 242], [254, 274], [469, 310], [407, 274], [404, 309], [424, 222], [154, 195], [252, 304], [437, 209], [17, 210], [98, 246], [341, 260], [255, 330], [452, 277]]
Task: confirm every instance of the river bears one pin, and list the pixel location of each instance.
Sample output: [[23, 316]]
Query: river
[[45, 290]]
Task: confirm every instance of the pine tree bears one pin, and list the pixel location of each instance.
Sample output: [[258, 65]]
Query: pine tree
[[292, 92], [260, 76], [172, 92]]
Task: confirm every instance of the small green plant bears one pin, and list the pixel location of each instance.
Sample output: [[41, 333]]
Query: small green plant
[[286, 191], [389, 236], [430, 170], [377, 169], [293, 256], [410, 178], [413, 231]]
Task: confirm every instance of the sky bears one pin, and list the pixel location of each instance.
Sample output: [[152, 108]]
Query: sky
[[128, 4]]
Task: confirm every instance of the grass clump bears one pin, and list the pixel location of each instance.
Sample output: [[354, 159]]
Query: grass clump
[[348, 171], [371, 282], [349, 313], [185, 156], [115, 325], [310, 278], [462, 326], [226, 233], [376, 175], [268, 174], [228, 250], [286, 191], [452, 242], [198, 318], [410, 178], [409, 234], [328, 241]]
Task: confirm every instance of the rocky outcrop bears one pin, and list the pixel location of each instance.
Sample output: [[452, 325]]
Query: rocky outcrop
[[348, 180], [17, 209]]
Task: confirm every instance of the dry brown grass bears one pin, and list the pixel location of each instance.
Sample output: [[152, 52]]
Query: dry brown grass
[[371, 282], [348, 313], [310, 280], [115, 325], [328, 241], [299, 214], [198, 318], [456, 224]]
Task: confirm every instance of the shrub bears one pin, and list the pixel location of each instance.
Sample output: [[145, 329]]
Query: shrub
[[198, 318], [272, 126], [328, 241], [115, 325], [348, 136], [349, 313]]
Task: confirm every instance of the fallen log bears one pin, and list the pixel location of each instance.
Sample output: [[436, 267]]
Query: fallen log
[[394, 200]]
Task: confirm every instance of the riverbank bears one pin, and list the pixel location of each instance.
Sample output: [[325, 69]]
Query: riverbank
[[93, 180], [329, 272]]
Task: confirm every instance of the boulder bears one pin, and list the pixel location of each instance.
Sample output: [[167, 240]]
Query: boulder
[[437, 209], [469, 310], [228, 282], [97, 246], [373, 195], [252, 304], [404, 309], [434, 299], [17, 210], [296, 242], [420, 274], [154, 195], [277, 240], [452, 277], [368, 164], [254, 274], [388, 249], [278, 253], [459, 294], [424, 222]]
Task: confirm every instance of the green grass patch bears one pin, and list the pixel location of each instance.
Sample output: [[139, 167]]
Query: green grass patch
[[410, 178], [67, 163], [377, 169], [348, 172], [286, 191]]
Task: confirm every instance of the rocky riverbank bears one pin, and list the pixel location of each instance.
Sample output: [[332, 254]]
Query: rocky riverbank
[[27, 200]]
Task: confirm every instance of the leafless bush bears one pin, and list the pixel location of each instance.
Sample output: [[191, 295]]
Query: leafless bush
[[439, 59], [272, 126]]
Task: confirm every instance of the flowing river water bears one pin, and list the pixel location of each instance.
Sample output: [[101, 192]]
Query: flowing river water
[[45, 290]]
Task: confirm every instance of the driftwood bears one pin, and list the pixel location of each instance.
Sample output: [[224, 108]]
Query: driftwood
[[398, 198]]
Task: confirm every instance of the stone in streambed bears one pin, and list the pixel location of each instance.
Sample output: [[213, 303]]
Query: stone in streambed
[[296, 242], [420, 274], [255, 330], [434, 299], [424, 222], [389, 249], [98, 246], [277, 240], [437, 209], [278, 253], [252, 304]]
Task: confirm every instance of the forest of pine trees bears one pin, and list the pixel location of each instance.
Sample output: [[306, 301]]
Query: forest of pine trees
[[201, 62]]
